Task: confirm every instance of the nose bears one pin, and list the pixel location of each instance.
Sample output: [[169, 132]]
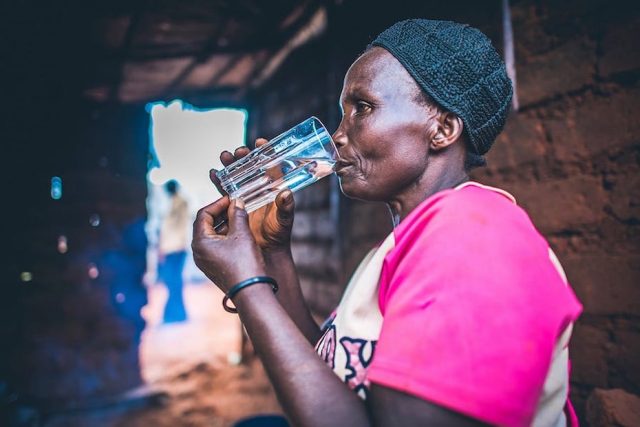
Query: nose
[[340, 136]]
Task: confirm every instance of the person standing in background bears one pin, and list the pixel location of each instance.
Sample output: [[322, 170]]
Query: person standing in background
[[172, 254]]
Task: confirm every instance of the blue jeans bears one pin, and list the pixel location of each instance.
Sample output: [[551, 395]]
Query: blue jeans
[[171, 273]]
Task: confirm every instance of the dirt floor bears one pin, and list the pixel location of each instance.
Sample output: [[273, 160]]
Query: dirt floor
[[193, 372]]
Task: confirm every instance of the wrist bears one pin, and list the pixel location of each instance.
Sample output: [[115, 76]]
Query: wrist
[[243, 287], [248, 271], [276, 253], [257, 292]]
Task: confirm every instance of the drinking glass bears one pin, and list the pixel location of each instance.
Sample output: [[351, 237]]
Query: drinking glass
[[295, 159]]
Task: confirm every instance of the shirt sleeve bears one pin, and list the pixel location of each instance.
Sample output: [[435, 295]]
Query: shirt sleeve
[[472, 308]]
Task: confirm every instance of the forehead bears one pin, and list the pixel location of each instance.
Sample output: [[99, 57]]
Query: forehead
[[378, 72]]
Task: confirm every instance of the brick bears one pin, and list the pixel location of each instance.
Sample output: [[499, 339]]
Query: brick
[[596, 124], [368, 221], [322, 295], [328, 296], [588, 353], [316, 195], [307, 288], [315, 258], [525, 137], [566, 144], [625, 197], [354, 255], [567, 68], [625, 361], [605, 284], [314, 224], [499, 157], [611, 123], [563, 204], [613, 408], [620, 51], [521, 141]]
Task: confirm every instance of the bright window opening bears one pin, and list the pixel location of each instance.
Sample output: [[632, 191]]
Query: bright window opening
[[186, 324], [185, 143]]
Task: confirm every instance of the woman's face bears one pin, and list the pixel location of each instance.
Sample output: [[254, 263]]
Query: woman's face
[[383, 136]]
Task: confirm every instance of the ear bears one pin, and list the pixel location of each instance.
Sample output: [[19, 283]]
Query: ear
[[446, 129]]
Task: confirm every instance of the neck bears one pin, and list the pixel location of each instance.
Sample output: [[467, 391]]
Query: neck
[[426, 187]]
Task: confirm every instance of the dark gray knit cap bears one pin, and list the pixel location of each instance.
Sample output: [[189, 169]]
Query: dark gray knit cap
[[457, 66]]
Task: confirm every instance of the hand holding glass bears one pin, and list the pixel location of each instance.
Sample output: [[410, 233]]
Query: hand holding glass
[[293, 160]]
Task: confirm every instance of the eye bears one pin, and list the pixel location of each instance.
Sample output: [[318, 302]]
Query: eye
[[362, 107]]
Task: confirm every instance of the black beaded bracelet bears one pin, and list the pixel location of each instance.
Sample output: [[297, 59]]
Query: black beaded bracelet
[[238, 287]]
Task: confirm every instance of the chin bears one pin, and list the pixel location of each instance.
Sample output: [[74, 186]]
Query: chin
[[346, 188], [355, 190]]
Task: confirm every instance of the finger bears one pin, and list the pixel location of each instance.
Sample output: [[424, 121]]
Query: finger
[[260, 142], [286, 205], [216, 181], [227, 158], [241, 152], [238, 218], [206, 218]]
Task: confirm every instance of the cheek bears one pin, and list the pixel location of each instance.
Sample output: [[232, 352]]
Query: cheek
[[382, 178], [389, 153], [400, 151]]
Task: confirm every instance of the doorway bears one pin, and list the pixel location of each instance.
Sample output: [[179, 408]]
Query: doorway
[[184, 144]]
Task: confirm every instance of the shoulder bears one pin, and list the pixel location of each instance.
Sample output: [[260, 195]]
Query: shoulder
[[465, 211], [460, 238], [470, 196]]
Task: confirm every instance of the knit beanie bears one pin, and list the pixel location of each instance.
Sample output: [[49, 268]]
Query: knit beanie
[[457, 66]]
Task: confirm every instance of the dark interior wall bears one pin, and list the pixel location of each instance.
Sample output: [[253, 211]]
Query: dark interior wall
[[570, 156], [71, 331], [75, 325]]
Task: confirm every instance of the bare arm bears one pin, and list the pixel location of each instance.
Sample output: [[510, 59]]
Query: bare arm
[[279, 264], [271, 228], [392, 408], [310, 393]]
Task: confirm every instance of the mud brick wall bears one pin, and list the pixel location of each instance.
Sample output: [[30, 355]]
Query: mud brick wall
[[570, 155]]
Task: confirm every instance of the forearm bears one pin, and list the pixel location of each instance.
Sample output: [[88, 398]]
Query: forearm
[[280, 265], [306, 387]]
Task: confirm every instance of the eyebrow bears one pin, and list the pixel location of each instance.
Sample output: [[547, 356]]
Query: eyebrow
[[358, 93]]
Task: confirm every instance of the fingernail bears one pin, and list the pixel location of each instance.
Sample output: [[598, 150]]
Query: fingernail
[[239, 203], [288, 196]]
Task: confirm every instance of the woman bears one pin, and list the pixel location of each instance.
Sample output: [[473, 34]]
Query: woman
[[462, 315]]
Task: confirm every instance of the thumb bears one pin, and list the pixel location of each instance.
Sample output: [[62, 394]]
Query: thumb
[[238, 218], [286, 205]]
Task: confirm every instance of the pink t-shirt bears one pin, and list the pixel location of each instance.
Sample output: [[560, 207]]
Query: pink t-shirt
[[473, 312], [472, 307]]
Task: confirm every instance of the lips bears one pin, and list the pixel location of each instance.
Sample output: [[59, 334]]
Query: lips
[[341, 165]]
